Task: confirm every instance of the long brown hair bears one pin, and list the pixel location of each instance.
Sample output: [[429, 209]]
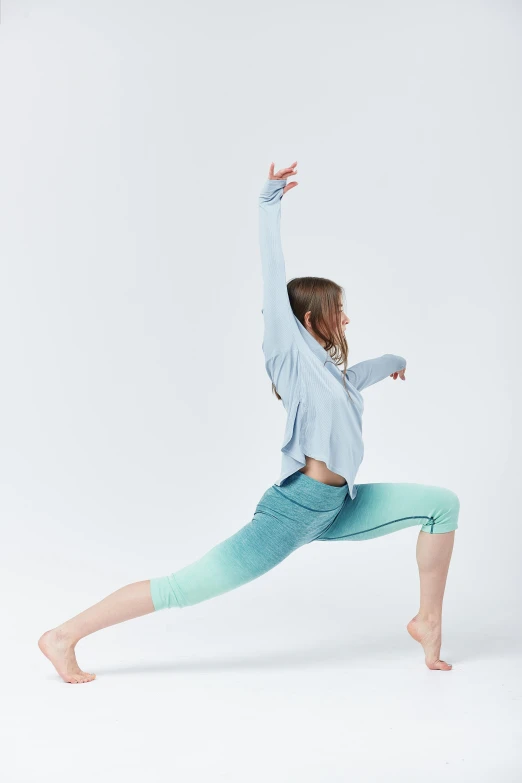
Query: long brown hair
[[320, 296]]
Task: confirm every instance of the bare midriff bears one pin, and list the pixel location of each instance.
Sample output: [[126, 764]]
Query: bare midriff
[[317, 470]]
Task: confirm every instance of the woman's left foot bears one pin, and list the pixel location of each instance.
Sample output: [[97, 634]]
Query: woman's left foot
[[60, 651], [429, 635]]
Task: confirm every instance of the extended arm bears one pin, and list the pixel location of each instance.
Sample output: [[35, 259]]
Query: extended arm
[[366, 373], [279, 320]]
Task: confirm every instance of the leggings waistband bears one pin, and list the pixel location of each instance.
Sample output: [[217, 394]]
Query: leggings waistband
[[312, 493]]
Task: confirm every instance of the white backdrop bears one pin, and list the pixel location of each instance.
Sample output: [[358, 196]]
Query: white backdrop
[[138, 427]]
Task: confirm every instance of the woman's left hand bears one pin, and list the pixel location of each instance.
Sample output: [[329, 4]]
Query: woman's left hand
[[395, 375]]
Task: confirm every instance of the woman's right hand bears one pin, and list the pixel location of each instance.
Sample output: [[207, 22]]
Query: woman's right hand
[[284, 174]]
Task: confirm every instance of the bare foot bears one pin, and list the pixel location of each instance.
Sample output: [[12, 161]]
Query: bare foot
[[60, 651], [429, 635]]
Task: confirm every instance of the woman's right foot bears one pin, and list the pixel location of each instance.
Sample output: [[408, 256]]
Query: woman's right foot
[[429, 635], [59, 649]]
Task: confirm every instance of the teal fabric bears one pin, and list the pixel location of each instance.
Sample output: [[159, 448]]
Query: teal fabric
[[324, 417], [299, 512]]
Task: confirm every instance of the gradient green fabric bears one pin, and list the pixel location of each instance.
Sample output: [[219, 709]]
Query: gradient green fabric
[[300, 511]]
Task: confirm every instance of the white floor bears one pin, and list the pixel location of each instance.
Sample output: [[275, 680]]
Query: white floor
[[242, 691]]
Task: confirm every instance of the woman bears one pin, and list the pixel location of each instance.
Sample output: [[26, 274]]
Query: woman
[[316, 498]]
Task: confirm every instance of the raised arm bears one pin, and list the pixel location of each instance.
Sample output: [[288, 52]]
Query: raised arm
[[366, 373], [280, 328]]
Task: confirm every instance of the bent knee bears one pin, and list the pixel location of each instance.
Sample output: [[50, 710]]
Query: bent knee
[[451, 499], [446, 518]]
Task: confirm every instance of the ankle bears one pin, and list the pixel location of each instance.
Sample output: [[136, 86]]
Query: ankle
[[432, 618], [64, 635]]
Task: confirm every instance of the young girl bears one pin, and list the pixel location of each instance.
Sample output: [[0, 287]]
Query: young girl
[[316, 498]]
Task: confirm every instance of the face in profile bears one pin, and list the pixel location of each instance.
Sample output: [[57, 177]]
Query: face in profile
[[344, 318]]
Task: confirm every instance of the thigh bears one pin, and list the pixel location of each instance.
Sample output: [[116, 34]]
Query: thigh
[[382, 508], [279, 526]]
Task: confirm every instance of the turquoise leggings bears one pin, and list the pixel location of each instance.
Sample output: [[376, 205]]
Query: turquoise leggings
[[298, 512]]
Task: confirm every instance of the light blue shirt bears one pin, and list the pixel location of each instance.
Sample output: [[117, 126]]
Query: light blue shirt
[[324, 419]]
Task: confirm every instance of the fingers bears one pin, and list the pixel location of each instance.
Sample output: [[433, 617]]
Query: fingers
[[289, 172], [282, 173], [289, 186]]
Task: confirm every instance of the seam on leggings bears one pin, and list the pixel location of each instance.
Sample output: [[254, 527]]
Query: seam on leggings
[[368, 530], [261, 510], [328, 526], [315, 510], [312, 539]]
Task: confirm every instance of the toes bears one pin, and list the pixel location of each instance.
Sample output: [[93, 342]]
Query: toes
[[80, 677], [438, 664]]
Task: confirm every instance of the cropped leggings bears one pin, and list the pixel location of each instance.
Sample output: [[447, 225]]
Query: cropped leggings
[[298, 512]]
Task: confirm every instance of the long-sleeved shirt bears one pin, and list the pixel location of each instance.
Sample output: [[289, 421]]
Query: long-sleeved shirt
[[323, 420]]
